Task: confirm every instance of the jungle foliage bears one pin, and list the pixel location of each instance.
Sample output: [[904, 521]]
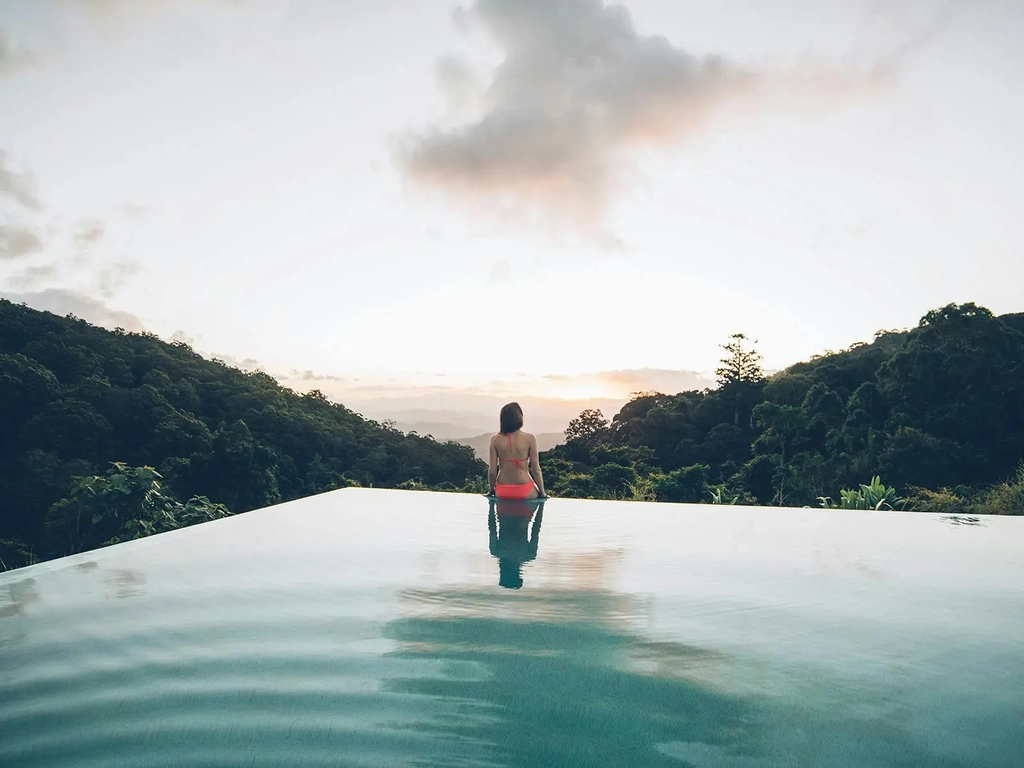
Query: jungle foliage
[[106, 435], [937, 410]]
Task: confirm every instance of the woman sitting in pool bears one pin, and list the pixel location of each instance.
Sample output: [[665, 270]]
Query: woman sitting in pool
[[514, 468]]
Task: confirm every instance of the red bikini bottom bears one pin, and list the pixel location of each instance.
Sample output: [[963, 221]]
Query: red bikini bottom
[[518, 492]]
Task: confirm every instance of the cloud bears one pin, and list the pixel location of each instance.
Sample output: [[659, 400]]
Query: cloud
[[13, 59], [117, 7], [312, 376], [134, 6], [181, 337], [16, 242], [90, 231], [248, 364], [912, 24], [111, 278], [134, 211], [20, 186], [578, 93], [32, 277], [458, 83], [501, 271], [109, 15], [622, 383], [113, 12], [63, 301]]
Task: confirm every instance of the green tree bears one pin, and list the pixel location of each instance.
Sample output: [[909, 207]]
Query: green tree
[[688, 484], [743, 363], [585, 432], [955, 386], [74, 396], [125, 503], [1006, 498], [740, 376], [240, 470], [25, 388], [614, 478], [590, 424], [574, 485], [783, 427]]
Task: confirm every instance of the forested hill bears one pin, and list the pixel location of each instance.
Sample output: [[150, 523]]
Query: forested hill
[[74, 398], [936, 411]]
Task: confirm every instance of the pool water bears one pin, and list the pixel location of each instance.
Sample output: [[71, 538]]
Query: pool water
[[399, 628]]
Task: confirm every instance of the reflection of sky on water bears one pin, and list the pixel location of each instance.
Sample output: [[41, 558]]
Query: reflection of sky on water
[[370, 628], [16, 595], [567, 682], [556, 693]]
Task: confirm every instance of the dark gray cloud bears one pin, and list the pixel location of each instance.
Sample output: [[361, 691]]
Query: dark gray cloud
[[578, 92], [64, 301], [20, 186], [16, 242], [13, 59]]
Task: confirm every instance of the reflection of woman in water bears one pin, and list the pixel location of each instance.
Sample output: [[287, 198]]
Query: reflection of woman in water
[[511, 544], [514, 467]]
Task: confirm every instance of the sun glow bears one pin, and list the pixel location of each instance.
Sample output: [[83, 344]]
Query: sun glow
[[579, 390]]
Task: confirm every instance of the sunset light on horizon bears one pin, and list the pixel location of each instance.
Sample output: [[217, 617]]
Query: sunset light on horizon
[[371, 191]]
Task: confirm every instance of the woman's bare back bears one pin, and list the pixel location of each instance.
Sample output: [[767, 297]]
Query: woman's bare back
[[515, 452]]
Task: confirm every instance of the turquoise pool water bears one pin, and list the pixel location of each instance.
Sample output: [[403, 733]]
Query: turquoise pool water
[[369, 628]]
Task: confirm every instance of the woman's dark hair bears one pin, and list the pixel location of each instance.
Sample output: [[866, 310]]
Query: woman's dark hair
[[511, 418]]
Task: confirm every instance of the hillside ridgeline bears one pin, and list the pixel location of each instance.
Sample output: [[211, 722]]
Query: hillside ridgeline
[[937, 410], [75, 398]]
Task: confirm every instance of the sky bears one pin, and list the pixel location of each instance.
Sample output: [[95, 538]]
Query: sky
[[556, 198]]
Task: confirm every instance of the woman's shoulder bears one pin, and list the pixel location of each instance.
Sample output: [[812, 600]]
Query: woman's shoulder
[[527, 435]]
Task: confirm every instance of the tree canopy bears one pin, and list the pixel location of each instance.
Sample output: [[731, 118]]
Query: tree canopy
[[937, 410], [75, 399], [109, 435]]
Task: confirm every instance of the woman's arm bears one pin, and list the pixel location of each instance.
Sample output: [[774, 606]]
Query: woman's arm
[[492, 467], [538, 476]]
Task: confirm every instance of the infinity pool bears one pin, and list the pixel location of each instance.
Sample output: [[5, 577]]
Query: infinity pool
[[399, 628]]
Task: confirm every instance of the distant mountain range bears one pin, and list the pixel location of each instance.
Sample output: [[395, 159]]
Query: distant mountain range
[[456, 412], [469, 416], [456, 432], [545, 442], [455, 416], [443, 430]]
